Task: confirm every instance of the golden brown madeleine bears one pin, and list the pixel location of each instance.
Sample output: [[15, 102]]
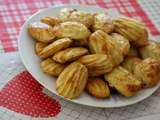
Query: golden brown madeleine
[[65, 13], [97, 64], [121, 43], [55, 47], [133, 30], [72, 81], [148, 71], [97, 43], [97, 88], [51, 67], [73, 30], [100, 42], [50, 20], [133, 52], [103, 22], [41, 32], [83, 17], [129, 63], [151, 50], [69, 54], [39, 46], [123, 81], [68, 14]]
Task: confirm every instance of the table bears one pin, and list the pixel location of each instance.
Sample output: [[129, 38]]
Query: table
[[40, 104]]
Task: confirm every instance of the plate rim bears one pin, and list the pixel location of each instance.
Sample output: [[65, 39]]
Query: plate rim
[[72, 101]]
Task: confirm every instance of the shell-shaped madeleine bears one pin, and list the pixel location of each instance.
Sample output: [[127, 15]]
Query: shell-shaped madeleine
[[65, 13], [83, 17], [133, 52], [73, 30], [151, 50], [97, 43], [68, 14], [72, 81], [51, 67], [121, 42], [39, 46], [148, 71], [103, 22], [97, 64], [54, 47], [130, 63], [100, 42], [69, 54], [133, 30], [97, 88], [123, 81], [50, 20], [41, 32]]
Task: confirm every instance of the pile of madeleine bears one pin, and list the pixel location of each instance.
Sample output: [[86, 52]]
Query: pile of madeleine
[[95, 53]]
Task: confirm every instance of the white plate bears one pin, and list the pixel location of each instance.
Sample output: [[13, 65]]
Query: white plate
[[32, 63]]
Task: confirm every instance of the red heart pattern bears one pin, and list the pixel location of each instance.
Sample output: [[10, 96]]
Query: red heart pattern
[[23, 94]]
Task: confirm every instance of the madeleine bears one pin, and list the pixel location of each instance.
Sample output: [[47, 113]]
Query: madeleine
[[73, 30], [123, 81], [97, 88], [51, 67], [130, 63], [54, 47], [70, 54], [50, 20], [151, 50], [97, 64], [103, 22], [133, 30], [83, 17], [122, 43], [41, 32], [100, 42], [72, 81], [39, 46], [148, 71]]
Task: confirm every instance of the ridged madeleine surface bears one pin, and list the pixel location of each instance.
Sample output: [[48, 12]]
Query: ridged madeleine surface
[[54, 47], [100, 42], [72, 81], [97, 88], [121, 42], [50, 20], [69, 54], [123, 81], [39, 46], [51, 67], [103, 22], [41, 32], [97, 43], [151, 50], [97, 64], [133, 30], [148, 71], [73, 30], [130, 63]]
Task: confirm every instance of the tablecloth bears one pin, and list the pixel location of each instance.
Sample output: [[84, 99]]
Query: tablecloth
[[21, 102]]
